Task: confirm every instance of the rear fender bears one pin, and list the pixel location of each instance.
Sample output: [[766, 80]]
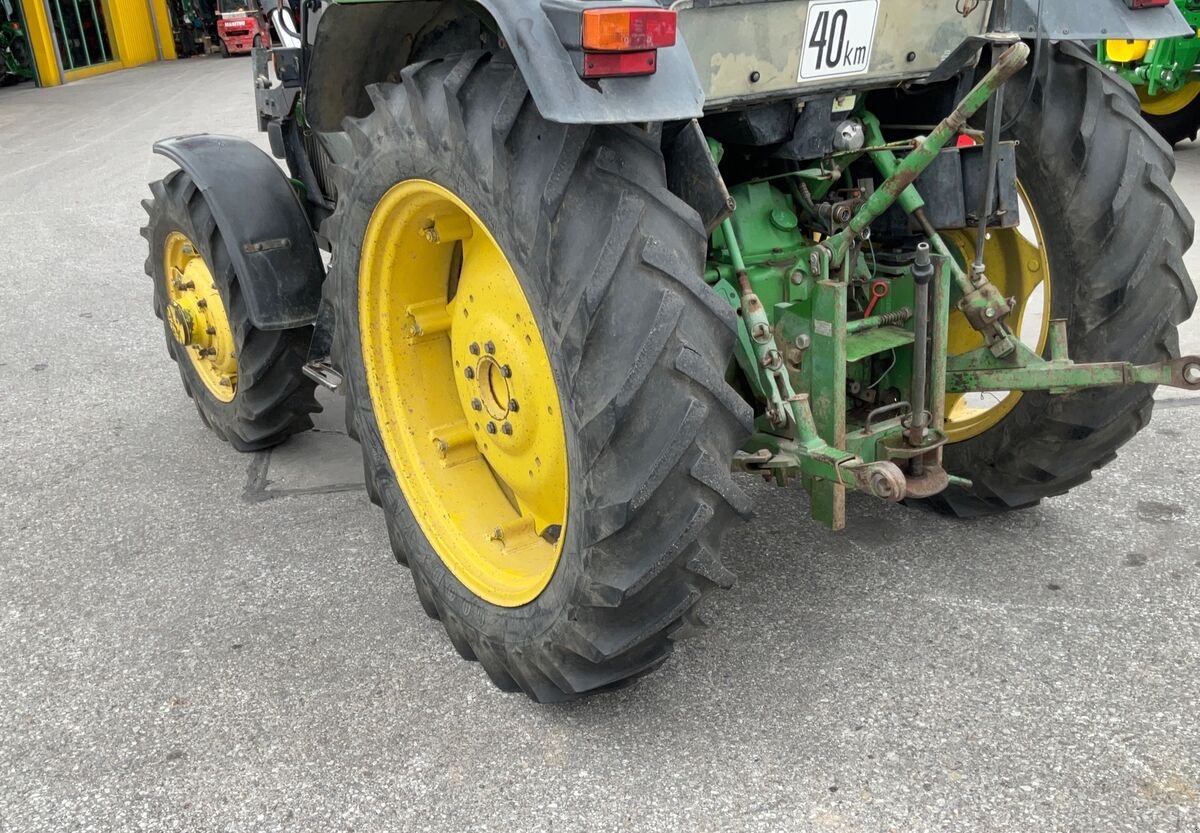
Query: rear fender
[[1098, 20], [361, 43], [270, 243]]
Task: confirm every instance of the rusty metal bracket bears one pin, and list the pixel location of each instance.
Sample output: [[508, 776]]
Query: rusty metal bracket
[[1024, 369]]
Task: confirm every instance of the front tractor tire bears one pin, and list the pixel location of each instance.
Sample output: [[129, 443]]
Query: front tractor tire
[[246, 383], [534, 369], [1114, 233]]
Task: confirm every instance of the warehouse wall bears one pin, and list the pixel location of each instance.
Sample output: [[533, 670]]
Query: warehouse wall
[[131, 30]]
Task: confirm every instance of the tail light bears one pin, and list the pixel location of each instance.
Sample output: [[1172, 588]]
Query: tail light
[[622, 41], [627, 30]]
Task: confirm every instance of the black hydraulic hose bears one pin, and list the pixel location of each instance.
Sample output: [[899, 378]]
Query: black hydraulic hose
[[1037, 55]]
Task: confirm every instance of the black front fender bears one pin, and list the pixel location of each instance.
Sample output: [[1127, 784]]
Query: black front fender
[[262, 222], [1097, 20]]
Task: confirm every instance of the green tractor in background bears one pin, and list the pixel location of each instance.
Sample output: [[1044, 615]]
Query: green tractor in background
[[15, 63], [585, 259], [1165, 74]]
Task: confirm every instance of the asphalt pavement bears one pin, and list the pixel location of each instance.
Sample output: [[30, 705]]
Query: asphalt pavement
[[197, 640]]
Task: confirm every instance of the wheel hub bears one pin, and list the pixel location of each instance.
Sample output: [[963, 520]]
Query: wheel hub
[[195, 315], [479, 451]]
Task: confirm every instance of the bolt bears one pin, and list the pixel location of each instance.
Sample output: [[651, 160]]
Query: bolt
[[1191, 374], [190, 285], [474, 349], [512, 405], [489, 347], [754, 76], [505, 371], [225, 382], [491, 428], [188, 250], [814, 263], [989, 313], [506, 429], [761, 331], [497, 534], [476, 405], [203, 304], [842, 213], [802, 342], [441, 447], [469, 372], [212, 331], [431, 233]]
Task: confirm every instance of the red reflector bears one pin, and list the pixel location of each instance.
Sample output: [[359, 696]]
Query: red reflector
[[612, 64], [1145, 4], [622, 30]]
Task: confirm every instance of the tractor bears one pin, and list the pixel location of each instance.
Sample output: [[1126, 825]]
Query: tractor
[[1165, 74], [575, 264], [15, 65]]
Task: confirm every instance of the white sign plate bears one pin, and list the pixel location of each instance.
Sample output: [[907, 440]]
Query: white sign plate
[[837, 38]]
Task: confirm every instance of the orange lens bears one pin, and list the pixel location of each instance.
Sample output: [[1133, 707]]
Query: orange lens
[[624, 30]]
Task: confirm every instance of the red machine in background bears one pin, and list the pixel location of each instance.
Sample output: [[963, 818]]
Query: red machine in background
[[241, 25]]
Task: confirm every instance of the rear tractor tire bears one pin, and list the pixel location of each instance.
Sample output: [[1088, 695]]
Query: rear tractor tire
[[247, 383], [1114, 233], [534, 369]]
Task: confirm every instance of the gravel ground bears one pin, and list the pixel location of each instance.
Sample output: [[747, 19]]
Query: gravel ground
[[191, 639]]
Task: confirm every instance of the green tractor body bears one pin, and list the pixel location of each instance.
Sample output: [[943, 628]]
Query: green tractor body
[[588, 259], [1166, 74]]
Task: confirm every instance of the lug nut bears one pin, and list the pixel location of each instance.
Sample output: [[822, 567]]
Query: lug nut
[[505, 371], [212, 331], [469, 372], [489, 347], [506, 428], [474, 349], [203, 304], [512, 405], [491, 428], [476, 405]]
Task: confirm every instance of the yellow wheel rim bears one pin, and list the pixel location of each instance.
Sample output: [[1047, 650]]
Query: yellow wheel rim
[[196, 317], [1164, 104], [463, 393], [1017, 265]]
